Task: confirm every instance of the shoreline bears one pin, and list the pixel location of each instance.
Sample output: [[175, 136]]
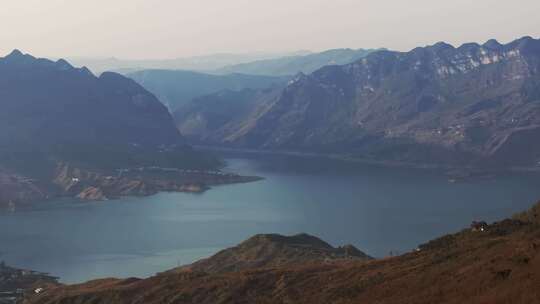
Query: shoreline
[[87, 186], [383, 163]]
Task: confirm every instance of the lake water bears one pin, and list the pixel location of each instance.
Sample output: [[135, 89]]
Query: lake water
[[376, 209]]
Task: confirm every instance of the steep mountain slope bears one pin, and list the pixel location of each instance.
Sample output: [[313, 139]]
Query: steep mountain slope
[[52, 111], [53, 115], [175, 88], [49, 102], [438, 104], [205, 116], [498, 265], [293, 65]]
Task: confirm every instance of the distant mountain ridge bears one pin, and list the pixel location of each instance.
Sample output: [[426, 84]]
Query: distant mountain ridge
[[475, 104], [195, 63], [175, 88], [292, 65]]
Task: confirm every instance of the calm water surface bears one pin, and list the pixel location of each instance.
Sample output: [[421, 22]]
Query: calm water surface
[[376, 209]]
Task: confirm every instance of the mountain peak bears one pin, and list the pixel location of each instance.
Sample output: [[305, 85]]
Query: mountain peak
[[86, 71], [15, 53], [492, 44], [469, 46], [441, 46], [18, 56], [523, 41], [526, 44], [302, 240], [300, 75], [525, 38], [272, 250], [63, 64]]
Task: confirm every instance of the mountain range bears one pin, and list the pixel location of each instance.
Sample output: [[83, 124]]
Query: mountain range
[[292, 65], [195, 63], [176, 87], [441, 105]]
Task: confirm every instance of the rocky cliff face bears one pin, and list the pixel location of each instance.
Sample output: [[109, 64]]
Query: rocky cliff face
[[437, 104]]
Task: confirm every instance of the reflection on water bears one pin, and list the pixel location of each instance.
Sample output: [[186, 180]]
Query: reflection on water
[[377, 209]]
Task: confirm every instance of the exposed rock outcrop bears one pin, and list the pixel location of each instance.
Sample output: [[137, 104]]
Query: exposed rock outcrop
[[92, 194], [96, 185]]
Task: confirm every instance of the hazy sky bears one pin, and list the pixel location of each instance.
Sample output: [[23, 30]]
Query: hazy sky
[[177, 28]]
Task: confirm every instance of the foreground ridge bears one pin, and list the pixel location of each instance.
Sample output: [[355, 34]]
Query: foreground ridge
[[498, 265]]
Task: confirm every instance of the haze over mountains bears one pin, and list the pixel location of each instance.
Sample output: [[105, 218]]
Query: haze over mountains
[[214, 112], [175, 88], [178, 87], [438, 104], [292, 65], [196, 63]]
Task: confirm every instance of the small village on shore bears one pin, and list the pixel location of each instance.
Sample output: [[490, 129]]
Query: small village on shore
[[16, 284]]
